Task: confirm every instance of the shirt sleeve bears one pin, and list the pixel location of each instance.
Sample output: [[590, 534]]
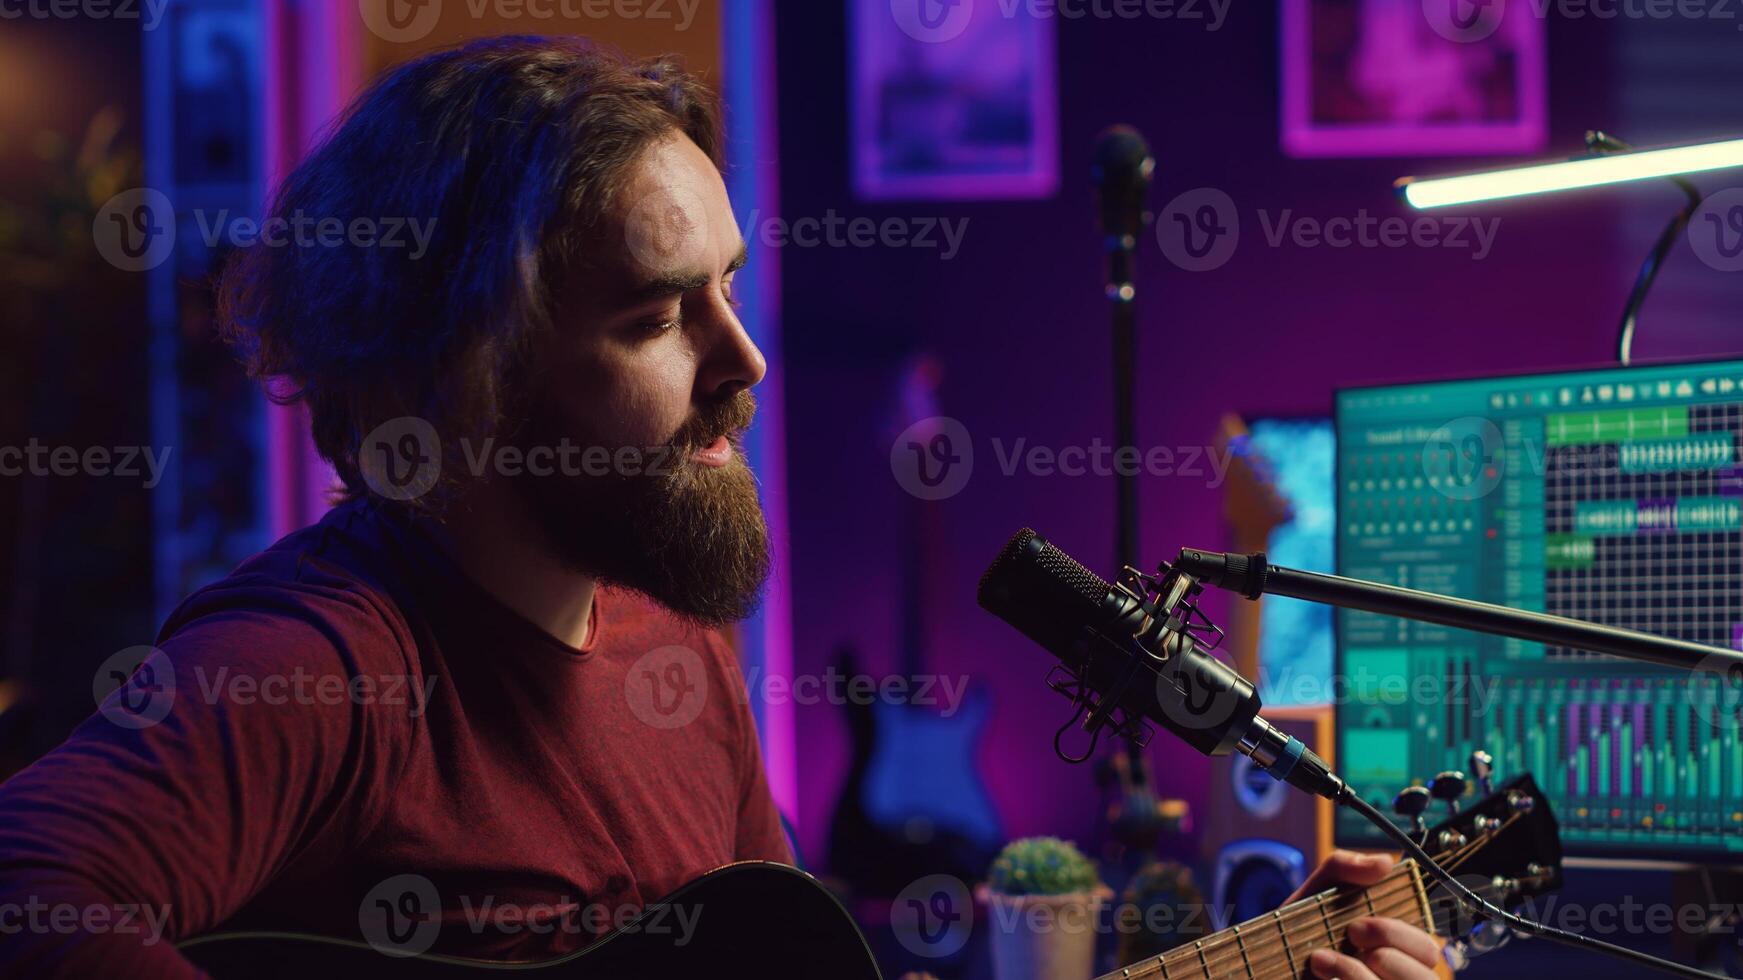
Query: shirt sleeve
[[760, 834], [233, 749]]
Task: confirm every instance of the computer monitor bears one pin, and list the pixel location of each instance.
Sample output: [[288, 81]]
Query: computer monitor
[[1295, 637], [1613, 496]]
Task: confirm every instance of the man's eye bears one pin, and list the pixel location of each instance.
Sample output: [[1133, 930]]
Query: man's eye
[[660, 325]]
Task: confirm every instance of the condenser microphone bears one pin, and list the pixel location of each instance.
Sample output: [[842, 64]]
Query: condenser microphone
[[1138, 657]]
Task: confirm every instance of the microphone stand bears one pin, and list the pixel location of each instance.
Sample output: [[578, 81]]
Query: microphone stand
[[1251, 576]]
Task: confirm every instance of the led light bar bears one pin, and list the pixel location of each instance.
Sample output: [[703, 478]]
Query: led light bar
[[1545, 178]]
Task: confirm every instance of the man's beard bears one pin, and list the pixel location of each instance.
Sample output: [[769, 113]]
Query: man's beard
[[689, 536]]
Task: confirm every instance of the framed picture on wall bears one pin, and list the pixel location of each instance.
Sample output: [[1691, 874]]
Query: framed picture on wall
[[952, 101], [1365, 78]]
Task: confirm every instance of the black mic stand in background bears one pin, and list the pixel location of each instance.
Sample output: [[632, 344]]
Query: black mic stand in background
[[1122, 171]]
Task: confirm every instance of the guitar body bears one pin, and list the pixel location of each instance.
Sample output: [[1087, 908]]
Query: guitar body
[[750, 919], [922, 768]]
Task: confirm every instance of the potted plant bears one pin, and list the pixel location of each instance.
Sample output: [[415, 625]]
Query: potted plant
[[1043, 897]]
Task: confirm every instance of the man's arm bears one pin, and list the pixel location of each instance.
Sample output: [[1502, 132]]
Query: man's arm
[[136, 833]]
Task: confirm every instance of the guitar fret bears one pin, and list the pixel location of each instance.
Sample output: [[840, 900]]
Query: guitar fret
[[1164, 965], [1202, 962], [1330, 938], [1241, 947], [1283, 934]]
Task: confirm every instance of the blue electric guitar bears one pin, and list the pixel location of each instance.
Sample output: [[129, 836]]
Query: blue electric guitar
[[914, 803]]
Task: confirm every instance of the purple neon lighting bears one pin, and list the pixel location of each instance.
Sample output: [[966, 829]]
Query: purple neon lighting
[[1428, 76]]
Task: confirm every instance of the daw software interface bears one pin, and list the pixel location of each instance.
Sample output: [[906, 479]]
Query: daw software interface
[[1612, 496]]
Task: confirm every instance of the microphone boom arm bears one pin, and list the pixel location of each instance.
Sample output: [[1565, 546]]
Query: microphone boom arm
[[1251, 576]]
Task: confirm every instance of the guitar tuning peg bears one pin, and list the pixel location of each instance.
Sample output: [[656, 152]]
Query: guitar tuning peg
[[1449, 787], [1483, 768], [1412, 802]]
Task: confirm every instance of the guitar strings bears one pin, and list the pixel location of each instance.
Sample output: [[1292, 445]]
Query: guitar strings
[[1277, 953], [1294, 955], [1220, 948], [1383, 887], [1387, 892]]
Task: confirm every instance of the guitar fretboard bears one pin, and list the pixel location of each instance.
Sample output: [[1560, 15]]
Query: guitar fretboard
[[1278, 943]]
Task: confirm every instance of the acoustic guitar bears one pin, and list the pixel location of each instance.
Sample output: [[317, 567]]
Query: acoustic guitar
[[772, 921]]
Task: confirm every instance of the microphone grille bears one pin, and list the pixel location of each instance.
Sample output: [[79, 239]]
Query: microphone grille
[[1058, 569]]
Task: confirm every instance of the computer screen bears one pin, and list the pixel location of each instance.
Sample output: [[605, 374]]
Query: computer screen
[[1295, 637], [1612, 496]]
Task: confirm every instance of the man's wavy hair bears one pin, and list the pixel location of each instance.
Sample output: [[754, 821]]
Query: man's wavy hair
[[513, 147]]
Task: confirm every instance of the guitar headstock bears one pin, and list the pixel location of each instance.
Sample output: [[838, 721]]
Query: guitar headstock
[[1253, 504], [1506, 847]]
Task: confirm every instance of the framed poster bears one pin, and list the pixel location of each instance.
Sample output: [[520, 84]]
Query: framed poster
[[1365, 78], [952, 101]]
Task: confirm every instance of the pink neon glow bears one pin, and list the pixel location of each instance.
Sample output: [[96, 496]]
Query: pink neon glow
[[1430, 85]]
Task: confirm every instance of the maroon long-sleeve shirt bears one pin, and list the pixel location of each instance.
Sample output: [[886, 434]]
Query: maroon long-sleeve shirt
[[351, 722]]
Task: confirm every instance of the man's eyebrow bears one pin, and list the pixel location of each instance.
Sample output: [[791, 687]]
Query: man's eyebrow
[[677, 284]]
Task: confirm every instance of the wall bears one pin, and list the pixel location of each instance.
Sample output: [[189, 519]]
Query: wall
[[1018, 321]]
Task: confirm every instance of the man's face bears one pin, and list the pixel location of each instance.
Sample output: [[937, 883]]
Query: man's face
[[649, 362]]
